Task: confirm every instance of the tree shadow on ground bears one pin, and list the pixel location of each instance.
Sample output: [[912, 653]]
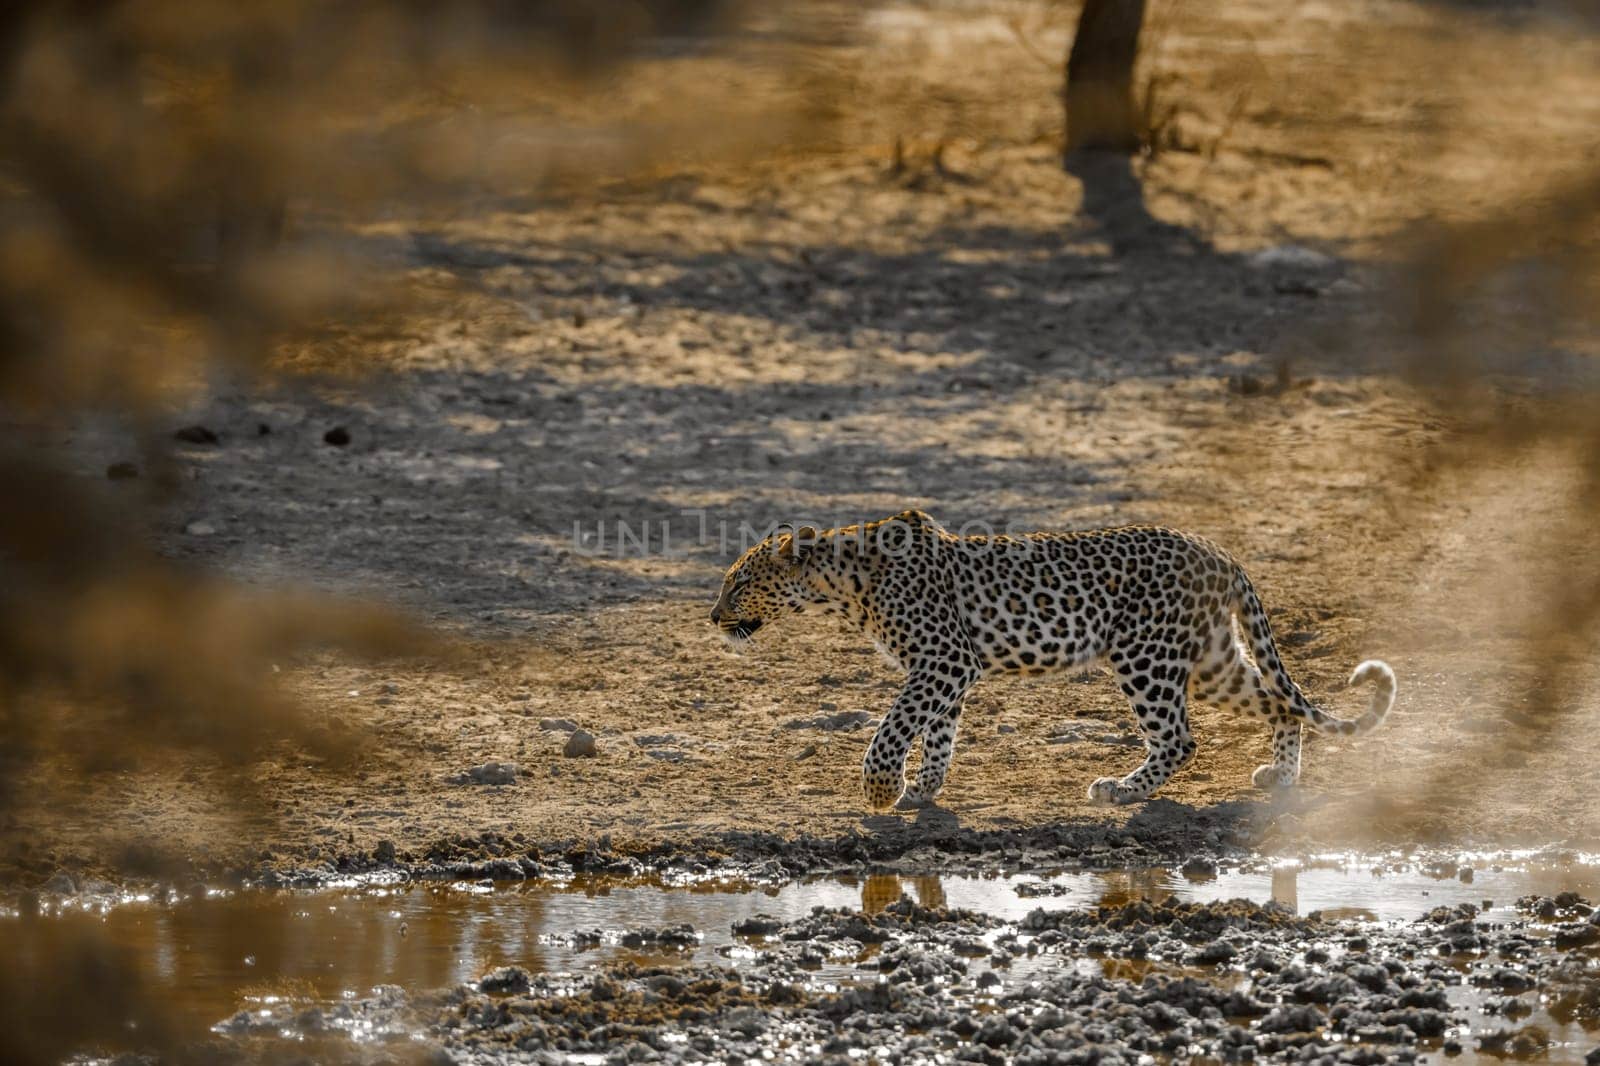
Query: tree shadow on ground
[[844, 380]]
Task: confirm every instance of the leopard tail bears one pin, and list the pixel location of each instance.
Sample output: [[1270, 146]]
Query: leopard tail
[[1258, 631]]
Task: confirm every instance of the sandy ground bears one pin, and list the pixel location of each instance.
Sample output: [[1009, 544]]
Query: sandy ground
[[831, 341]]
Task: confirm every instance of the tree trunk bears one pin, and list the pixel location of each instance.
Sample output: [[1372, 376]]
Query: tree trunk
[[1099, 89]]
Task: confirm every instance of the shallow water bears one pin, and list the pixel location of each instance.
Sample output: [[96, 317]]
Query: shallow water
[[213, 956]]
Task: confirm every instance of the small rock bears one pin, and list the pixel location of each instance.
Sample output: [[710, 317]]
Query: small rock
[[384, 853], [580, 745], [1216, 951], [1199, 868], [490, 773], [195, 435], [1005, 728], [805, 752], [558, 725], [122, 471], [338, 436], [200, 529], [1292, 257]]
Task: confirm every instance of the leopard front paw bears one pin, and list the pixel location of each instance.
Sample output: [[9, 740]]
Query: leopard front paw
[[913, 799], [1112, 791], [1104, 792], [1270, 778]]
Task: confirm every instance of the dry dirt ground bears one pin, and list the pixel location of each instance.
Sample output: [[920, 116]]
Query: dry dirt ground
[[826, 339]]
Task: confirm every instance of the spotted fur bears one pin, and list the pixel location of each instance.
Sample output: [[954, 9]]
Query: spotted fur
[[1156, 604]]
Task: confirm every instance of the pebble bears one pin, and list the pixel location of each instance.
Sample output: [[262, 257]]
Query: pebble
[[195, 435], [842, 722], [558, 725], [580, 745]]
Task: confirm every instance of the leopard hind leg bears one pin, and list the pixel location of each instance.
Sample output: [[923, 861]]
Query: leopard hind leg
[[1228, 679]]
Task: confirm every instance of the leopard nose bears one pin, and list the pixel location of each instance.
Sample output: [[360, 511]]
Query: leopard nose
[[716, 614]]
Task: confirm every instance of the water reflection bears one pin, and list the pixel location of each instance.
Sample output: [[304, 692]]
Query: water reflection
[[1286, 887], [1128, 886], [880, 890], [1110, 888]]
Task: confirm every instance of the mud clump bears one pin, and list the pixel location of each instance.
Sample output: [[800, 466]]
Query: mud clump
[[757, 925], [897, 918], [1196, 921], [615, 1008], [505, 979]]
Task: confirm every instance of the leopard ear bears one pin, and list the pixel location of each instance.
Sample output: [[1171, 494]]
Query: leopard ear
[[804, 541], [797, 546]]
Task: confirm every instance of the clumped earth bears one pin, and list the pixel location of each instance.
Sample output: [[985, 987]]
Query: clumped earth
[[1230, 982], [546, 471]]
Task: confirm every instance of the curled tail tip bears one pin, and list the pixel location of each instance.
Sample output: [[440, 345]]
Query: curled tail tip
[[1375, 671], [1372, 670]]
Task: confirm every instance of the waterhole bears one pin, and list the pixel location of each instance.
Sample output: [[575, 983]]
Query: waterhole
[[213, 956]]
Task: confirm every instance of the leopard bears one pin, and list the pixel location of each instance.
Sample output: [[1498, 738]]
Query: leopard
[[1173, 616]]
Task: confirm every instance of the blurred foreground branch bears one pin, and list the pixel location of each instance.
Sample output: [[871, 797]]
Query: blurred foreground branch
[[179, 188]]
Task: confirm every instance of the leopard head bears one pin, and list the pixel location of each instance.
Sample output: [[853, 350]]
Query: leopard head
[[766, 583]]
